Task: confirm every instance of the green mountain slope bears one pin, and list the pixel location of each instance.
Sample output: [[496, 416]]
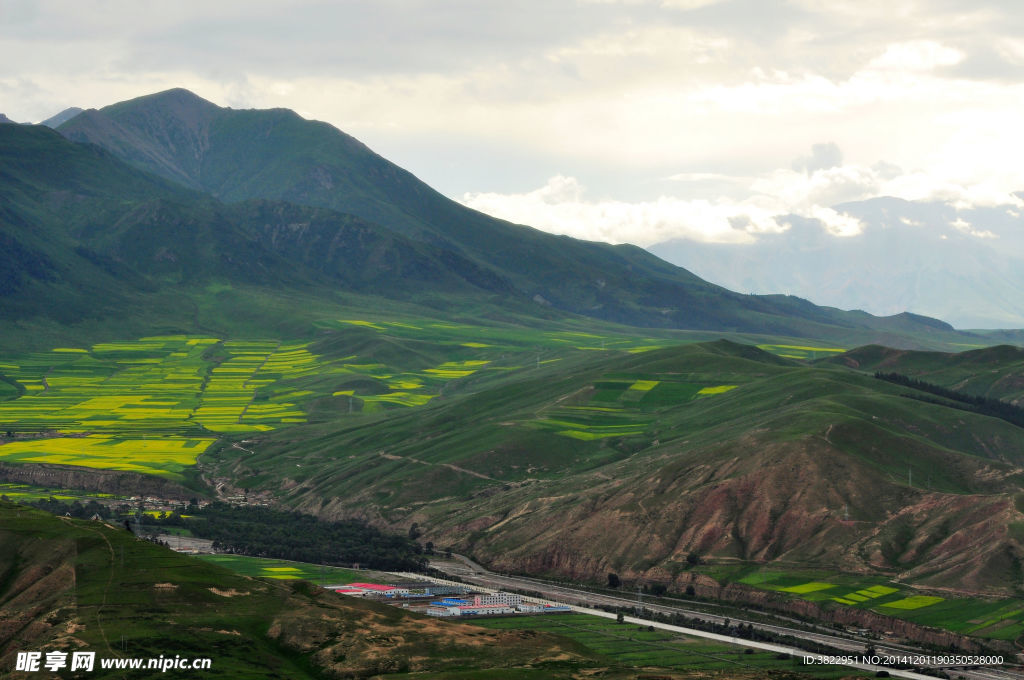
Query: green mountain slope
[[85, 236], [631, 463], [71, 585], [238, 155]]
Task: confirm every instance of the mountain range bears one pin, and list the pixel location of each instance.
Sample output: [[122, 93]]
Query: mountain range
[[963, 266], [305, 201]]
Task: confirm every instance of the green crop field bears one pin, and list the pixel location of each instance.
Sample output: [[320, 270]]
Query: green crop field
[[633, 645], [999, 619], [284, 570], [621, 405], [802, 352], [18, 493]]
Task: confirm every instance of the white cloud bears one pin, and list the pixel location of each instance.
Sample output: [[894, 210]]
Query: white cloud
[[920, 55], [560, 207], [966, 227], [798, 191]]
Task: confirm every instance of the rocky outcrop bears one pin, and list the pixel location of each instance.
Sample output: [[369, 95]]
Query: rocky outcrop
[[89, 479]]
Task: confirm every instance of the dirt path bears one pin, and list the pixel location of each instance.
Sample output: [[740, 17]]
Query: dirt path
[[391, 456], [110, 579]]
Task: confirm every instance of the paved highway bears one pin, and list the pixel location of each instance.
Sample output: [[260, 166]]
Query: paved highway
[[471, 572]]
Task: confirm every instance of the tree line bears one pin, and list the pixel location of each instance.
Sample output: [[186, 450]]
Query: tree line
[[281, 534], [995, 408], [267, 532]]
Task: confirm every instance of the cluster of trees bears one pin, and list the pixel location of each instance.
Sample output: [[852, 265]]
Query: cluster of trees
[[76, 509], [967, 402], [266, 532]]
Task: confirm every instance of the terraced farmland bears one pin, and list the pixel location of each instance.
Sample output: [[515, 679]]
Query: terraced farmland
[[152, 405]]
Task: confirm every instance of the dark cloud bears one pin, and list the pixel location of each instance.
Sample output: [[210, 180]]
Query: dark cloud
[[982, 62], [367, 37]]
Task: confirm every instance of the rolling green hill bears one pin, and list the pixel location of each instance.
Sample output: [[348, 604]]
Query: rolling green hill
[[605, 462], [524, 445], [996, 372]]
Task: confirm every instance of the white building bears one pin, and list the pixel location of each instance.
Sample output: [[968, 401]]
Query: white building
[[440, 609], [379, 590], [529, 608], [511, 599]]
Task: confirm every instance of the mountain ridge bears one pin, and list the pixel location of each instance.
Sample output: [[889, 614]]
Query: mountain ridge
[[239, 155], [65, 115]]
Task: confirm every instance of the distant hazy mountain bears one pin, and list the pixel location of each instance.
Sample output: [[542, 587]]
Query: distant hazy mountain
[[920, 257], [242, 155], [5, 119], [62, 117]]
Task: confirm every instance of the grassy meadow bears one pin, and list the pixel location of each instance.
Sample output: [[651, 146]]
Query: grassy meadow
[[285, 570], [632, 645]]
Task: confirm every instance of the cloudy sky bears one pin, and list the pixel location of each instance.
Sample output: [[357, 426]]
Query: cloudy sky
[[616, 120]]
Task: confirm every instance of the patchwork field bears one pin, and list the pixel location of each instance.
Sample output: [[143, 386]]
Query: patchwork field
[[155, 404], [621, 405], [996, 619], [152, 405]]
